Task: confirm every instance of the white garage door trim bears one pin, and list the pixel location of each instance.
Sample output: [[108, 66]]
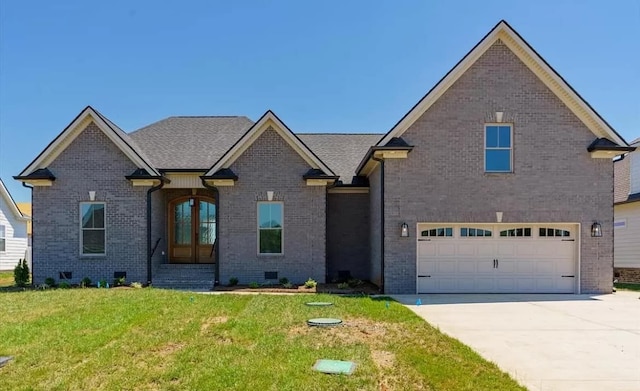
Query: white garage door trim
[[534, 260]]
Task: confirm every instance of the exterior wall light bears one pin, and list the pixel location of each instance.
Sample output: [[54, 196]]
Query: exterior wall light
[[404, 230], [596, 230]]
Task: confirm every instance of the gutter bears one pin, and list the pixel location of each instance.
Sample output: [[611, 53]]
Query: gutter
[[149, 250], [381, 161], [216, 243]]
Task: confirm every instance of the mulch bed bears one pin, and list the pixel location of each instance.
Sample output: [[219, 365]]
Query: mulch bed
[[366, 288]]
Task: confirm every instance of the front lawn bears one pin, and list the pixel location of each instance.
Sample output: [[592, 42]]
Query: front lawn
[[6, 279], [151, 339]]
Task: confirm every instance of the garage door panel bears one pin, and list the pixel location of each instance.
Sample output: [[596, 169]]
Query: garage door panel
[[524, 264]]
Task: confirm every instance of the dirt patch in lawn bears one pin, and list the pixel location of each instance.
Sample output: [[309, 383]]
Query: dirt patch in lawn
[[349, 332], [212, 321], [168, 349]]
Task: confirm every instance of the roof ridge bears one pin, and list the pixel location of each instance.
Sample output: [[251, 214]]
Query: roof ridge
[[207, 116], [340, 134]]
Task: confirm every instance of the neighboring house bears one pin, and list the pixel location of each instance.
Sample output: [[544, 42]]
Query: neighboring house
[[25, 209], [13, 231], [626, 223], [498, 180]]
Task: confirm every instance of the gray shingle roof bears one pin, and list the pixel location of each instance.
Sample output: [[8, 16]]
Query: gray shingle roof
[[189, 142], [341, 152]]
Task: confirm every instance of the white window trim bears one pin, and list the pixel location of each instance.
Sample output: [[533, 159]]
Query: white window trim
[[82, 229], [258, 229], [510, 149], [4, 237]]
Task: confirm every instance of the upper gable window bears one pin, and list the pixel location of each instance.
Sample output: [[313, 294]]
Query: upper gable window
[[498, 148], [92, 228]]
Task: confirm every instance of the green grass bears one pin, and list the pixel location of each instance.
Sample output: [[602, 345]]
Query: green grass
[[627, 286], [6, 279], [150, 339]]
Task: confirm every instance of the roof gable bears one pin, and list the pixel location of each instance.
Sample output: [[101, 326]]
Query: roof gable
[[268, 120], [503, 32], [64, 139], [4, 193]]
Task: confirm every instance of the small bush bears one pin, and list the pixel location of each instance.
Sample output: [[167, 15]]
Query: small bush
[[136, 285], [119, 281], [233, 281], [254, 285], [287, 285], [64, 285], [102, 283], [85, 282], [284, 281], [354, 283], [310, 283], [343, 285], [21, 273], [50, 281]]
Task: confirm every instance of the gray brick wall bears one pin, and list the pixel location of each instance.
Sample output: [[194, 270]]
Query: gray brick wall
[[443, 180], [270, 164], [90, 163], [375, 264], [348, 235]]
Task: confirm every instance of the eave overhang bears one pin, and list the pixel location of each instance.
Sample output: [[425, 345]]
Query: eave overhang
[[317, 177], [39, 177], [141, 177], [396, 148], [603, 148], [222, 177]]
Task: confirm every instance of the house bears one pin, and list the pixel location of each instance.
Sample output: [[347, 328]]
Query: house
[[13, 231], [498, 180], [626, 209]]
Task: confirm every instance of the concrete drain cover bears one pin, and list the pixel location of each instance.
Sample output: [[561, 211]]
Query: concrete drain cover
[[319, 304], [335, 367], [4, 360], [324, 322]]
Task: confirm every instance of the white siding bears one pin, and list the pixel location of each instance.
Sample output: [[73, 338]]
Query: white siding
[[634, 171], [626, 244], [15, 236]]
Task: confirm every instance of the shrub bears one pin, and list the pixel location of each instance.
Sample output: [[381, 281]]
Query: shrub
[[254, 285], [21, 273], [136, 285], [343, 285], [284, 281], [102, 283], [50, 281], [287, 285], [310, 283], [354, 282], [120, 281], [64, 285], [233, 281], [85, 282]]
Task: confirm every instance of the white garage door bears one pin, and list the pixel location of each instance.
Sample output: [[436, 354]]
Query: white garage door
[[498, 258]]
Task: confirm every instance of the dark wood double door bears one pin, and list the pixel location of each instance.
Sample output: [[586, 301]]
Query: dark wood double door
[[192, 230]]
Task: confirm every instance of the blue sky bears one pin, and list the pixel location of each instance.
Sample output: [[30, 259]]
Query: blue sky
[[324, 66]]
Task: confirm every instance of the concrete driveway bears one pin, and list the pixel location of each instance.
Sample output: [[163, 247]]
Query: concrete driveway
[[546, 342]]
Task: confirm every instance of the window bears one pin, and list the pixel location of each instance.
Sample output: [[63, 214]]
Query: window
[[92, 228], [553, 233], [3, 239], [474, 232], [269, 228], [446, 232], [497, 148], [516, 232]]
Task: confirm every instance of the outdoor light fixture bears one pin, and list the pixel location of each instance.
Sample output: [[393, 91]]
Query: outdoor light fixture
[[596, 230], [404, 230]]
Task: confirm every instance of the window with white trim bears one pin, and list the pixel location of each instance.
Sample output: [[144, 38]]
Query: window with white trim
[[516, 232], [93, 230], [3, 239], [270, 224], [544, 232], [498, 148], [475, 232]]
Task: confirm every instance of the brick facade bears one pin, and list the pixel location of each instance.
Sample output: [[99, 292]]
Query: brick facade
[[443, 180], [348, 235], [90, 163], [270, 164]]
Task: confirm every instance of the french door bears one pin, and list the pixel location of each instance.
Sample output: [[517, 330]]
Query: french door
[[192, 230]]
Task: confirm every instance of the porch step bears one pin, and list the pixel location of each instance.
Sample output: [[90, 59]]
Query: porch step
[[184, 276]]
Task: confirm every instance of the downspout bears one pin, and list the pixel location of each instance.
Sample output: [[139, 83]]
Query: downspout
[[149, 264], [216, 195], [31, 187], [381, 161]]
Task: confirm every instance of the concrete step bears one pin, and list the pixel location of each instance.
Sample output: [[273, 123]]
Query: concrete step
[[199, 285]]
